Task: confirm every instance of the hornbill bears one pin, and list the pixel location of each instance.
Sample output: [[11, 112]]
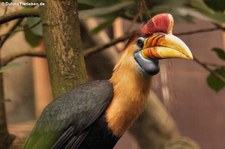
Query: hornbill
[[96, 114]]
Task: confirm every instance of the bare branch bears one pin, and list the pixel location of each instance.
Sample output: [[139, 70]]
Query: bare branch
[[220, 27], [5, 10], [10, 32], [214, 65], [26, 12], [20, 53], [206, 67], [22, 29], [134, 20], [201, 31], [97, 49]]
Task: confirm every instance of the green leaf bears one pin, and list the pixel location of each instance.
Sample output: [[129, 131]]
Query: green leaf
[[35, 24], [215, 82], [176, 3], [6, 1], [104, 25], [33, 39], [199, 9], [217, 5], [83, 6], [11, 65], [220, 53], [100, 3], [84, 14], [153, 3]]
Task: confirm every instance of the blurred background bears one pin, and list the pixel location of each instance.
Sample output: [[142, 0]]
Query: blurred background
[[192, 92]]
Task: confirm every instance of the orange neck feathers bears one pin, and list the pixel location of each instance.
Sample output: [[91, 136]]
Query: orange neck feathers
[[131, 89]]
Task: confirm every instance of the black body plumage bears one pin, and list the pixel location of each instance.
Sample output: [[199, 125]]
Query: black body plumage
[[75, 120]]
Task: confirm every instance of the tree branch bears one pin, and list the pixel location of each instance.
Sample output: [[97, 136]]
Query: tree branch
[[97, 49], [5, 10], [24, 28], [26, 12], [214, 65], [20, 53], [201, 31], [206, 67], [10, 32], [6, 139]]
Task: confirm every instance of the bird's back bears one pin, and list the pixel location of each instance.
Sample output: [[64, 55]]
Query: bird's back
[[68, 119]]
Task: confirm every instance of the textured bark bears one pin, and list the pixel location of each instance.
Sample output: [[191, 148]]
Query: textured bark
[[5, 138], [62, 40], [63, 45], [27, 12]]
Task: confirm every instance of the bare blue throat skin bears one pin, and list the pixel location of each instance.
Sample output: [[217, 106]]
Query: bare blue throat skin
[[148, 67]]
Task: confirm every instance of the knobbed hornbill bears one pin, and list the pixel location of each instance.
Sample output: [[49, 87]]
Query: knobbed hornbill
[[96, 114]]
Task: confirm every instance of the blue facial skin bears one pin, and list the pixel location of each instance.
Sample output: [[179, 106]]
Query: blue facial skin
[[148, 67]]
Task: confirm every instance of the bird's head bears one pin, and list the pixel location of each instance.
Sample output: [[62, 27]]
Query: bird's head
[[155, 41]]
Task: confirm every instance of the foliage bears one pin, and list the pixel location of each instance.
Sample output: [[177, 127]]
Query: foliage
[[182, 10], [32, 38], [11, 65], [6, 1], [215, 82], [33, 35], [217, 5], [220, 53], [103, 25], [206, 13], [37, 26], [83, 6], [216, 78]]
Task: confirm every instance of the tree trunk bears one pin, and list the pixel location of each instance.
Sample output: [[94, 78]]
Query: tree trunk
[[62, 40], [63, 45], [5, 138]]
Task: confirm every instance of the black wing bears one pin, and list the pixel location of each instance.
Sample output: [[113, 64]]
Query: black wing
[[66, 119]]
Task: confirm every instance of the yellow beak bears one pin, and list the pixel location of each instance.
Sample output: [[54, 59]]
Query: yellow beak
[[162, 46]]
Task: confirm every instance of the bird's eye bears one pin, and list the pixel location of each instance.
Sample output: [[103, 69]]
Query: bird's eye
[[140, 42]]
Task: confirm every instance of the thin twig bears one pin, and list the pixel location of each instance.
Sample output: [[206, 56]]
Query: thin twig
[[26, 12], [214, 65], [142, 10], [97, 49], [145, 8], [16, 54], [23, 29], [133, 22], [201, 31], [209, 70], [10, 32], [5, 10], [220, 27]]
